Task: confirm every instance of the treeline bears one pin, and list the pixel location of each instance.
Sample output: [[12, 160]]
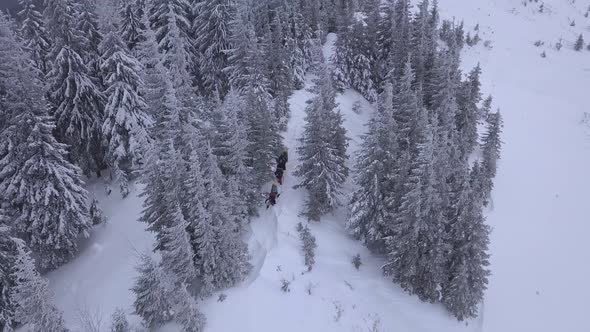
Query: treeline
[[189, 96], [424, 172]]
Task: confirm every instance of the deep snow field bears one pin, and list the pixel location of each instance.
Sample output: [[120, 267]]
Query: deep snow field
[[541, 203]]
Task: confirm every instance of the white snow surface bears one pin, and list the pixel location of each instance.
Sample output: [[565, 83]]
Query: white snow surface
[[540, 256]]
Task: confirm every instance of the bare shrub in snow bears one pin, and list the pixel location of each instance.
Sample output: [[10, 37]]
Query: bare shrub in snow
[[559, 45], [221, 297], [285, 285], [89, 320], [338, 311], [356, 261], [543, 55], [96, 215], [310, 287], [308, 245], [539, 43], [356, 107]]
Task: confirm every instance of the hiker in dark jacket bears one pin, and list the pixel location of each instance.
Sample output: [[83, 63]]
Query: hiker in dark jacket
[[272, 196], [282, 160], [279, 174]]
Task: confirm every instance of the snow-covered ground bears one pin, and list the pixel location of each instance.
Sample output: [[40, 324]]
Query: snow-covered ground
[[540, 259]]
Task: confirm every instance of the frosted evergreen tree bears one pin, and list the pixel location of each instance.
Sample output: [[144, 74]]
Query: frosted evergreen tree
[[153, 73], [401, 35], [164, 13], [8, 255], [353, 62], [368, 212], [32, 297], [186, 311], [41, 187], [231, 144], [74, 97], [281, 82], [87, 23], [323, 163], [491, 146], [468, 271], [230, 254], [178, 255], [246, 63], [152, 293], [308, 245], [32, 31], [132, 28], [119, 322], [212, 28], [299, 43], [469, 95], [125, 123], [424, 42], [579, 45]]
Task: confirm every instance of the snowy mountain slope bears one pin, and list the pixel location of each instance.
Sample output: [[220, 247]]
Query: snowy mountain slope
[[539, 252], [539, 249], [342, 299]]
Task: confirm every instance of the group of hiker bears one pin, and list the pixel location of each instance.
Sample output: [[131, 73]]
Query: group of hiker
[[279, 173]]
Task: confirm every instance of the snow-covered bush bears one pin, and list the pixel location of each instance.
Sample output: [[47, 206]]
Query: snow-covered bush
[[308, 244], [285, 285], [356, 261], [119, 321]]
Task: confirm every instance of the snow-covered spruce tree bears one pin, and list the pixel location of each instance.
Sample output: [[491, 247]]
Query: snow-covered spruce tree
[[298, 42], [211, 27], [353, 63], [87, 23], [119, 322], [75, 100], [368, 212], [491, 146], [401, 36], [152, 289], [186, 311], [231, 143], [32, 31], [163, 13], [178, 255], [323, 162], [41, 188], [8, 255], [32, 297], [281, 82], [424, 42], [468, 261], [132, 28], [153, 73], [468, 96], [579, 45], [229, 254], [125, 125], [308, 245]]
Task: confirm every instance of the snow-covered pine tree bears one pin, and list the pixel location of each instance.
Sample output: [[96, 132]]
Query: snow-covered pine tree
[[368, 212], [119, 322], [401, 36], [163, 13], [87, 23], [125, 125], [32, 31], [178, 255], [212, 28], [468, 262], [468, 96], [281, 82], [579, 45], [231, 143], [32, 297], [152, 293], [75, 100], [298, 42], [43, 190], [491, 146], [423, 42], [231, 262], [323, 161], [353, 63], [308, 245], [8, 255], [153, 73], [186, 311], [132, 28]]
